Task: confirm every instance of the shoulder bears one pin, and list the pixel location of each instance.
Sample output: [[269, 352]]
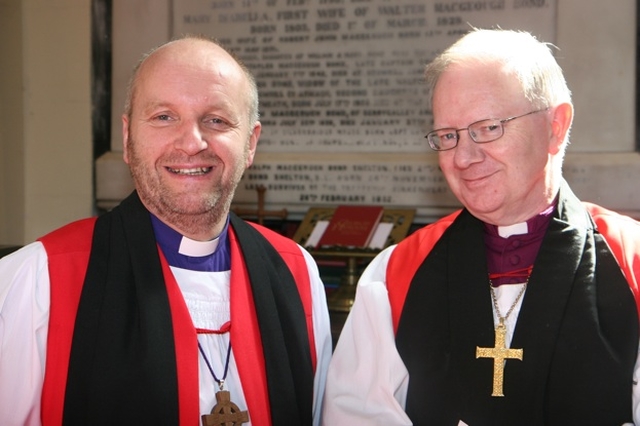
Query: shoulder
[[29, 256], [407, 257], [603, 215], [622, 234], [24, 272], [281, 243], [613, 225], [73, 237], [418, 244]]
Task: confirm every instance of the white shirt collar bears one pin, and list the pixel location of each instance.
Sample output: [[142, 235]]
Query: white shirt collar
[[515, 229], [193, 248]]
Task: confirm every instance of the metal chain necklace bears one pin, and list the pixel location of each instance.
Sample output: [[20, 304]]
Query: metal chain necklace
[[500, 353], [503, 319]]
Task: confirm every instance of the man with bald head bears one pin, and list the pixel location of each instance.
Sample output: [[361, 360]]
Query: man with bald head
[[168, 309]]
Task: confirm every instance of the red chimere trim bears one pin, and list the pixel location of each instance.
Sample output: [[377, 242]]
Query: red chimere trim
[[185, 337], [68, 260], [249, 356], [294, 259], [623, 236], [407, 258], [248, 351]]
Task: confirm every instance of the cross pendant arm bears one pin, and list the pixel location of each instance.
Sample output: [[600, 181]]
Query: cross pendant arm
[[500, 353], [225, 412]]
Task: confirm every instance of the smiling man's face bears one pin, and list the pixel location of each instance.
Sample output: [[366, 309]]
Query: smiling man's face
[[189, 139], [508, 180]]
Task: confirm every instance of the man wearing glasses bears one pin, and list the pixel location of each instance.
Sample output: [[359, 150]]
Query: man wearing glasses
[[519, 309]]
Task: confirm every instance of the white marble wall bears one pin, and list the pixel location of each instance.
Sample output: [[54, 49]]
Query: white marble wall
[[597, 42]]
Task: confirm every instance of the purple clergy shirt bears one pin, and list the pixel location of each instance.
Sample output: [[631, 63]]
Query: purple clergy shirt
[[170, 242], [516, 252]]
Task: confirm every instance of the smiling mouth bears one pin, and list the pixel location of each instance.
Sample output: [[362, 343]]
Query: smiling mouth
[[196, 171], [476, 179]]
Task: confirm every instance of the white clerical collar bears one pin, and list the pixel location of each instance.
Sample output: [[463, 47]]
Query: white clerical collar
[[537, 223], [515, 229], [189, 247]]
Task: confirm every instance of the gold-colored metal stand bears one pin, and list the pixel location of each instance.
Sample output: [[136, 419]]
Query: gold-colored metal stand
[[342, 299]]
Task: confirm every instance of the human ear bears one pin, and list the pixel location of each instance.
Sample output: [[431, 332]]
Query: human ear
[[560, 125], [125, 138], [253, 142]]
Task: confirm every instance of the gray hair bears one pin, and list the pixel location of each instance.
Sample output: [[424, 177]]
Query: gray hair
[[253, 115], [532, 61]]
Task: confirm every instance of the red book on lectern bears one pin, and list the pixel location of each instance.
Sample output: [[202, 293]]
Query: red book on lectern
[[351, 226]]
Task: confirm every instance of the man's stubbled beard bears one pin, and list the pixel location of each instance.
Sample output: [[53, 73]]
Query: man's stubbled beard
[[188, 211]]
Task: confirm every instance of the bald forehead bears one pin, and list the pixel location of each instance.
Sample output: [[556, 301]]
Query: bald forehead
[[491, 84], [195, 53], [190, 58]]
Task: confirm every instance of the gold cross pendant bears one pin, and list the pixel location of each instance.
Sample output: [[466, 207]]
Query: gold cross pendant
[[225, 412], [500, 354]]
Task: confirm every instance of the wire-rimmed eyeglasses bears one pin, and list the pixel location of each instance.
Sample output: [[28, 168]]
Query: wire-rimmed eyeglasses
[[482, 131]]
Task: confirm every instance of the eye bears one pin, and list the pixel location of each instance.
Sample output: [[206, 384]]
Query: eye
[[162, 118], [216, 123], [486, 130], [488, 126], [448, 136]]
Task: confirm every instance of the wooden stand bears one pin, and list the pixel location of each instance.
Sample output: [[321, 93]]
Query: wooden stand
[[342, 299], [260, 213]]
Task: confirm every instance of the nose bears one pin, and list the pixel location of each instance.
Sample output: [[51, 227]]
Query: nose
[[467, 152], [191, 139]]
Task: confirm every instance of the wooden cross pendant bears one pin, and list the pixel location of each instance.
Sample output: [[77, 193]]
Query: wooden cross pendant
[[499, 353], [225, 412]]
